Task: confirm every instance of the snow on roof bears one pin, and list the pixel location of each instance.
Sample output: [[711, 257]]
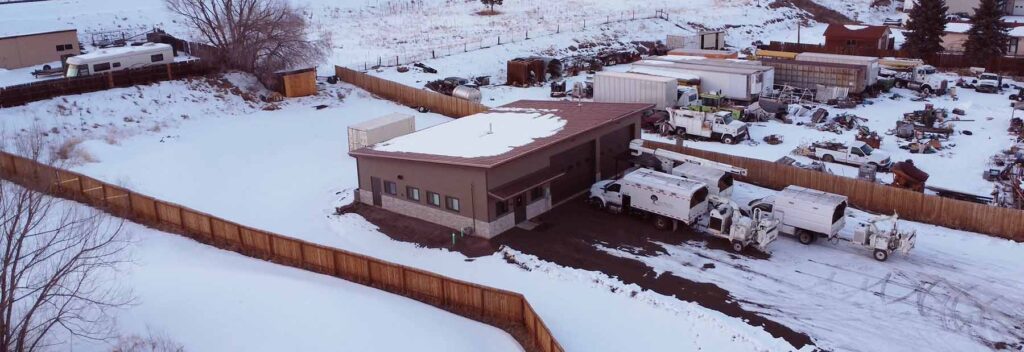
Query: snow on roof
[[653, 71], [380, 121], [485, 134], [1017, 32], [635, 75], [108, 52], [20, 31], [854, 27], [957, 27], [812, 195]]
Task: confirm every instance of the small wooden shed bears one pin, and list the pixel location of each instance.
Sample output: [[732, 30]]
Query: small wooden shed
[[297, 83]]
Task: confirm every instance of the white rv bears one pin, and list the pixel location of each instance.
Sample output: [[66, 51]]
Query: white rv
[[668, 197], [119, 58], [718, 181], [805, 213]]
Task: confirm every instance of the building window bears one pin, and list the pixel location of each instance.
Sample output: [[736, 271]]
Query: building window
[[101, 67], [63, 47], [537, 193], [156, 58], [390, 188], [117, 64], [434, 199], [500, 207], [412, 193], [451, 203]]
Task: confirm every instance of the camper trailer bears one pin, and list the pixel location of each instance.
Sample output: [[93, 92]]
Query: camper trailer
[[805, 213], [119, 58], [667, 197]]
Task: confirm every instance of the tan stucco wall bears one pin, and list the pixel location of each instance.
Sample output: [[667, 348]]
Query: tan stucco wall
[[954, 41], [36, 49]]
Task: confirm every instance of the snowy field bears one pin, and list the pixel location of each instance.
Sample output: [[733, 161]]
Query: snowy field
[[207, 299]]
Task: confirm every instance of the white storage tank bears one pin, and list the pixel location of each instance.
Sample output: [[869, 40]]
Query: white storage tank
[[380, 129], [467, 93]]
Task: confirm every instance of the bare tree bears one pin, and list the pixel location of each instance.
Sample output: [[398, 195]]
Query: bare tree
[[57, 268], [257, 36]]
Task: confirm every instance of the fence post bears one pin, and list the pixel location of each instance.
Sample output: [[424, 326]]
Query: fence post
[[499, 40], [110, 80], [527, 34], [169, 73], [558, 28]]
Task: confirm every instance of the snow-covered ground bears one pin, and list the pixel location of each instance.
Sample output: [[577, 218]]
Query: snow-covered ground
[[954, 292], [207, 299]]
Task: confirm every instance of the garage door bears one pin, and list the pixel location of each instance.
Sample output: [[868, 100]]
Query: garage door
[[578, 164]]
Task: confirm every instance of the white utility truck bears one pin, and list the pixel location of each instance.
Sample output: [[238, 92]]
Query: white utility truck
[[988, 83], [805, 213], [726, 221], [834, 152], [718, 177], [119, 58], [884, 241], [705, 122], [923, 79], [647, 192]]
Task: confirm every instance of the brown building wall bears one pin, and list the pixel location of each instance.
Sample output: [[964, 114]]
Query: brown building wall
[[447, 180], [36, 49]]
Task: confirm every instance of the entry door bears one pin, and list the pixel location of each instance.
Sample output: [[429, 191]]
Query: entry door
[[520, 208], [375, 187]]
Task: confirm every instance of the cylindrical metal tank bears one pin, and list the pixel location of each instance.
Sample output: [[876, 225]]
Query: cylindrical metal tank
[[467, 93]]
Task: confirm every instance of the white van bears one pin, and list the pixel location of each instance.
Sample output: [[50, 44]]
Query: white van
[[648, 192], [719, 182], [119, 58], [806, 213]]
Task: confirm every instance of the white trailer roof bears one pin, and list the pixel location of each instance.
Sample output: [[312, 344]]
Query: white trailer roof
[[115, 52], [812, 196], [644, 77], [697, 60], [380, 121], [738, 69], [674, 74], [699, 171], [662, 180]]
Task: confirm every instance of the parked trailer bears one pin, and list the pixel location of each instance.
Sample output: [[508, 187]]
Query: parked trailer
[[119, 58], [669, 198], [714, 40], [742, 83], [805, 213], [870, 64], [619, 87], [810, 74], [707, 53], [380, 129]]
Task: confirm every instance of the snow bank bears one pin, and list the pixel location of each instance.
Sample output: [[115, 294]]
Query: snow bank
[[484, 134]]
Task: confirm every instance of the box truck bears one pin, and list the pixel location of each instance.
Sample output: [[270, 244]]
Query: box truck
[[619, 87], [805, 213], [668, 198]]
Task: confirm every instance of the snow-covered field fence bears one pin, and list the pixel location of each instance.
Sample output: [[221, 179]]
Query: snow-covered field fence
[[29, 92], [409, 96], [910, 205], [503, 309], [500, 38]]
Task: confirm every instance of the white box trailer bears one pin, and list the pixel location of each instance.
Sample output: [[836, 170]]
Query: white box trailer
[[380, 129], [119, 58], [741, 82], [870, 63], [646, 191], [714, 40], [718, 182], [620, 87], [806, 213]]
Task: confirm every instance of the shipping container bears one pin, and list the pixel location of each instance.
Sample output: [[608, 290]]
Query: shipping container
[[740, 82], [870, 63], [619, 87], [809, 74], [380, 129]]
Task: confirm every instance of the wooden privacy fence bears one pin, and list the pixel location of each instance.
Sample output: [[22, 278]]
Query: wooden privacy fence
[[910, 205], [29, 92], [409, 96], [503, 309]]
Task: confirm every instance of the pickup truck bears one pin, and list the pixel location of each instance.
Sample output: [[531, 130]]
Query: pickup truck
[[856, 155]]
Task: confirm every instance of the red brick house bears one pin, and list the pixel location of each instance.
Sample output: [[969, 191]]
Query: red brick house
[[853, 38]]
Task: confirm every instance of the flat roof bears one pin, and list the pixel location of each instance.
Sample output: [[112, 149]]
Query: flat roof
[[636, 76], [12, 35], [502, 134]]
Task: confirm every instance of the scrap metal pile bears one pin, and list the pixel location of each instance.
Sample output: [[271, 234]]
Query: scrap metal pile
[[1007, 172], [923, 131]]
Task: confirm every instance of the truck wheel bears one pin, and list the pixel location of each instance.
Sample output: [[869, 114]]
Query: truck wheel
[[596, 203], [681, 132], [662, 223], [881, 255], [805, 237], [829, 158], [926, 90], [738, 246], [727, 139]]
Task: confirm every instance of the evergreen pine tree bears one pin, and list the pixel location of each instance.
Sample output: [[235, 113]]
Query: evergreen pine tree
[[988, 36], [925, 27]]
